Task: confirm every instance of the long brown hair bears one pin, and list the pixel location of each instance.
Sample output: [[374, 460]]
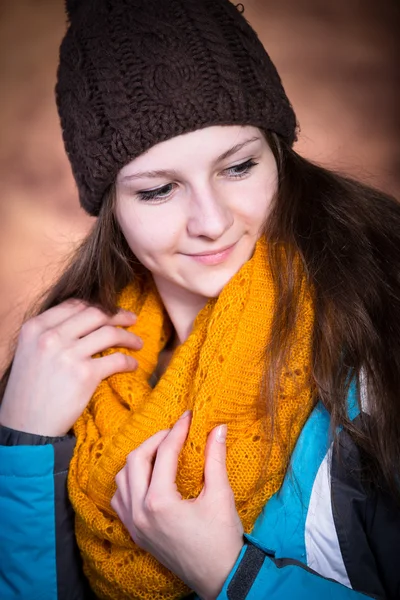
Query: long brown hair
[[347, 236]]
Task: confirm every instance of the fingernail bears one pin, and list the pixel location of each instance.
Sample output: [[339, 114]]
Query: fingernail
[[221, 434], [135, 364], [185, 414], [128, 313]]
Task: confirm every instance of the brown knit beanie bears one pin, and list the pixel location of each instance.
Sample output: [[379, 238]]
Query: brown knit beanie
[[133, 73]]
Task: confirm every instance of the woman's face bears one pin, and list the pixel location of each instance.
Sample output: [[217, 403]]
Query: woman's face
[[192, 208]]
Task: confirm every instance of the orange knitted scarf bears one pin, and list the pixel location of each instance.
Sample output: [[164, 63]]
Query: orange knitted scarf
[[217, 373]]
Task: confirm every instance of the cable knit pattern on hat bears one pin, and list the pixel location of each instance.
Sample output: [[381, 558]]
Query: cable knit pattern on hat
[[218, 374], [133, 73]]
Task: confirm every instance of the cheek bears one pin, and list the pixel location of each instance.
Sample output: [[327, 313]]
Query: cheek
[[259, 200], [149, 234]]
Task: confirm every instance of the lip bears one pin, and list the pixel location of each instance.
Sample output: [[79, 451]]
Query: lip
[[212, 253], [213, 258]]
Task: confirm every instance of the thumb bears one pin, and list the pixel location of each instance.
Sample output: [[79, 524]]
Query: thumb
[[215, 473]]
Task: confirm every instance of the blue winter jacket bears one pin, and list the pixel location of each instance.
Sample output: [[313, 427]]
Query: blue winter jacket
[[323, 535]]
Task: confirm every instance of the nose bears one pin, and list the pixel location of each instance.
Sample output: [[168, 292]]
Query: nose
[[209, 214]]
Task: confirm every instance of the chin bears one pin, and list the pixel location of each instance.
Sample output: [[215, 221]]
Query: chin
[[212, 286]]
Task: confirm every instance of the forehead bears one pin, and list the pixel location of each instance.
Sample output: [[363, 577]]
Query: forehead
[[203, 144]]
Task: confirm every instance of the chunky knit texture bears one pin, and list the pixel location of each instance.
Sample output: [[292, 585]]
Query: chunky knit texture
[[218, 374], [133, 73]]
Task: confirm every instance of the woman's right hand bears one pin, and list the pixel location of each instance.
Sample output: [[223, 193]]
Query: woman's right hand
[[54, 374]]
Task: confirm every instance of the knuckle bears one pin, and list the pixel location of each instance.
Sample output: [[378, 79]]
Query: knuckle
[[119, 336], [154, 503], [119, 479], [134, 339], [164, 447], [83, 372], [30, 329], [75, 302], [131, 458], [121, 313], [131, 363], [168, 447], [114, 503], [123, 361], [95, 314], [110, 332], [49, 340], [72, 302], [140, 522], [123, 333]]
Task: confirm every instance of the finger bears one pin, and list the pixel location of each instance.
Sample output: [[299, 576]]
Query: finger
[[121, 506], [58, 314], [117, 502], [108, 337], [139, 467], [166, 464], [215, 473], [118, 362], [122, 494], [93, 318]]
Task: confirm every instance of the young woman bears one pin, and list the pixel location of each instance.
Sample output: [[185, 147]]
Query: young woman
[[207, 402]]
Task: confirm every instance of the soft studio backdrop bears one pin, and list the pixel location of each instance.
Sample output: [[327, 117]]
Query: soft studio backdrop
[[339, 64]]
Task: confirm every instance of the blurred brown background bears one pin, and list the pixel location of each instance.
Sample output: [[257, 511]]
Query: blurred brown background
[[339, 64]]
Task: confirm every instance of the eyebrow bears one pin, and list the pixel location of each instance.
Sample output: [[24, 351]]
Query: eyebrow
[[172, 174], [236, 148]]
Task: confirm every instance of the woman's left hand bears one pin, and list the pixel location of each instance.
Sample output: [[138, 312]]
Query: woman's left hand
[[199, 540]]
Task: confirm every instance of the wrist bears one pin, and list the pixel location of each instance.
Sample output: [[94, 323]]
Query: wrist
[[212, 586], [10, 420]]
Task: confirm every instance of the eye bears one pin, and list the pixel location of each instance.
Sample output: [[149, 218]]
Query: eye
[[238, 171], [160, 194]]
